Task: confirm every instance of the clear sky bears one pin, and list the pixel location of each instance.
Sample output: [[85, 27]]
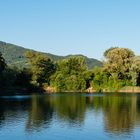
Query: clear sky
[[64, 27]]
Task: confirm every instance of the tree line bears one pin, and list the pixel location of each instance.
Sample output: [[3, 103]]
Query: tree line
[[121, 67]]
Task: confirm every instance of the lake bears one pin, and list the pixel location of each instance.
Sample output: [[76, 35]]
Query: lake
[[70, 117]]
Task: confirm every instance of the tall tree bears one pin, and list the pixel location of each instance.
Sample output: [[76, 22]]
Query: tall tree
[[41, 67], [135, 71], [118, 62], [2, 67], [70, 74], [2, 63]]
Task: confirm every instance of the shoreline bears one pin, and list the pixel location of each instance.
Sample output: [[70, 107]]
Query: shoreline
[[91, 90], [25, 91]]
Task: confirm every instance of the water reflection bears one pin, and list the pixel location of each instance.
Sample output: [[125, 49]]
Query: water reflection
[[121, 112], [40, 113]]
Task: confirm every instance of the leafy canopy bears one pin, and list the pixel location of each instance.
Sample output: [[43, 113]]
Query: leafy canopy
[[41, 67]]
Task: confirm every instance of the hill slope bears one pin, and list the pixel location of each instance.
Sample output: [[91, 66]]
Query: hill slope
[[14, 55]]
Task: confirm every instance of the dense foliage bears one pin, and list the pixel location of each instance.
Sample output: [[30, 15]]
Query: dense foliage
[[41, 68], [70, 75], [120, 68], [2, 63]]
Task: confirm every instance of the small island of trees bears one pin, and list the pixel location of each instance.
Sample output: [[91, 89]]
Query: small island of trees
[[120, 71]]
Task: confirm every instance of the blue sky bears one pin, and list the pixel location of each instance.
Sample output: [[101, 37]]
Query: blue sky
[[64, 27]]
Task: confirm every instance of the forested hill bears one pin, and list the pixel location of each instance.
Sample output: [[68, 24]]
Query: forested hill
[[14, 55]]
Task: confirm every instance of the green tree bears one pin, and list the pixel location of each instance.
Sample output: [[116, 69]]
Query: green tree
[[135, 71], [69, 75], [88, 76], [2, 63], [8, 77], [2, 68], [41, 68], [23, 77], [118, 62], [99, 79]]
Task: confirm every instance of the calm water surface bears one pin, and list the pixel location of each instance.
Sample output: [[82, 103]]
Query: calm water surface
[[70, 117]]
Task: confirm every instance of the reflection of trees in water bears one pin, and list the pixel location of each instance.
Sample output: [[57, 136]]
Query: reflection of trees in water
[[138, 110], [11, 108], [70, 108], [121, 113], [2, 118], [40, 114]]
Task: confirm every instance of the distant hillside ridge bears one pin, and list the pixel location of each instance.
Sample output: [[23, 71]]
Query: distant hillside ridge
[[14, 55]]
